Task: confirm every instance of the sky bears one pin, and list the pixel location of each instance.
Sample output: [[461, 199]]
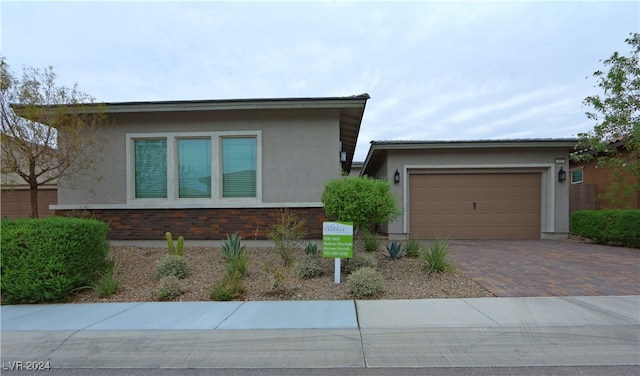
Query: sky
[[453, 70]]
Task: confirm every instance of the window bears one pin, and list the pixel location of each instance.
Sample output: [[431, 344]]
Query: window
[[194, 168], [151, 168], [576, 176], [239, 167], [198, 165]]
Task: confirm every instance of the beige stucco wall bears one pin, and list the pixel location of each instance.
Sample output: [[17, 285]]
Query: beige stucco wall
[[554, 194], [300, 152]]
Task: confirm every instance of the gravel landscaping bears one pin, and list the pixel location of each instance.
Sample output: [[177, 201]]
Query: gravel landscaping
[[405, 278]]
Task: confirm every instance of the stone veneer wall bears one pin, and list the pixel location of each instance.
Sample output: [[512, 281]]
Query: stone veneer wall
[[199, 224]]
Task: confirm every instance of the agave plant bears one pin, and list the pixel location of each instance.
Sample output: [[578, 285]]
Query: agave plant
[[311, 249], [395, 250], [231, 248]]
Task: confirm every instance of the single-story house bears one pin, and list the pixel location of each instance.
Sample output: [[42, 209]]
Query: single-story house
[[205, 169], [475, 189]]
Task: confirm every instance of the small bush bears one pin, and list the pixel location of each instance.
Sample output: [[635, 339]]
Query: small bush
[[229, 288], [371, 242], [617, 227], [44, 260], [309, 266], [365, 282], [108, 282], [281, 278], [358, 261], [395, 250], [172, 265], [169, 288], [287, 234], [232, 249], [238, 265], [436, 257], [413, 248]]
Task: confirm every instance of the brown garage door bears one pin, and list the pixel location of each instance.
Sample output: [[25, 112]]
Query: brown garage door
[[474, 206], [17, 203]]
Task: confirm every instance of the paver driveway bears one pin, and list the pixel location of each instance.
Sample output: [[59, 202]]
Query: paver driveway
[[548, 267]]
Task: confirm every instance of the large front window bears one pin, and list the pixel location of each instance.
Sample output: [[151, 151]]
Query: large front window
[[239, 167], [212, 165], [151, 168], [194, 168]]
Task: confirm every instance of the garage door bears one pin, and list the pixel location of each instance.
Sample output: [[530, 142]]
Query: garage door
[[474, 206], [17, 203]]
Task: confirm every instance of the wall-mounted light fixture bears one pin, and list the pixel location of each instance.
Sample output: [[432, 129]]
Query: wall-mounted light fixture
[[396, 177], [343, 155], [562, 175]]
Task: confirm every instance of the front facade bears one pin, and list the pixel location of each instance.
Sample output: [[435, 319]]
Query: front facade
[[475, 189], [206, 169]]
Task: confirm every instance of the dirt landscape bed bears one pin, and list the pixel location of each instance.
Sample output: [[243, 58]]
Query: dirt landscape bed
[[405, 278]]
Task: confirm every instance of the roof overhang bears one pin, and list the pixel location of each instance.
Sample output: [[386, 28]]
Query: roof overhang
[[379, 149], [351, 111]]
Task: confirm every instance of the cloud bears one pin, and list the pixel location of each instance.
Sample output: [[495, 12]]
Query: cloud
[[434, 70]]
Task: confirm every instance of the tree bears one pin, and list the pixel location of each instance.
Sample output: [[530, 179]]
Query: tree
[[363, 201], [615, 139], [47, 130]]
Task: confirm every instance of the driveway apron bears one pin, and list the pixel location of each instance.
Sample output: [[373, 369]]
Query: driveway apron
[[520, 268]]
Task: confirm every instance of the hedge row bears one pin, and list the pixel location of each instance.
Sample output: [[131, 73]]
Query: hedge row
[[44, 260], [618, 227]]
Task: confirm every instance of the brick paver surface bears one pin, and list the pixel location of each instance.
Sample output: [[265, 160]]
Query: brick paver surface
[[515, 268]]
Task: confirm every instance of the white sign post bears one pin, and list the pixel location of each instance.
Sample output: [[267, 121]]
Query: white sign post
[[337, 242]]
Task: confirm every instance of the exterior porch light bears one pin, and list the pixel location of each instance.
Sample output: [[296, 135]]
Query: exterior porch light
[[396, 177], [343, 155], [562, 175]]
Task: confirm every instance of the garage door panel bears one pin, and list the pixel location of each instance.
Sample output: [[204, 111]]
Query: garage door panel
[[506, 205]]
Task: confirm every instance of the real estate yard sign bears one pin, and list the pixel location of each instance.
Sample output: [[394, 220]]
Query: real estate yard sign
[[337, 239], [337, 242]]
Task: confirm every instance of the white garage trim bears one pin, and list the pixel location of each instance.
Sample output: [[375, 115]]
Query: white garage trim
[[547, 181]]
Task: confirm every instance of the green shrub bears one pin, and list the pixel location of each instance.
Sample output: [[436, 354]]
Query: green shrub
[[365, 282], [395, 250], [229, 288], [358, 261], [44, 260], [617, 227], [169, 288], [232, 249], [363, 201], [108, 282], [237, 265], [287, 234], [172, 265], [413, 248], [175, 250], [436, 257], [309, 266], [371, 242]]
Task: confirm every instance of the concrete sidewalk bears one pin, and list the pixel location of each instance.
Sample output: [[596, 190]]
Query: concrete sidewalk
[[602, 330]]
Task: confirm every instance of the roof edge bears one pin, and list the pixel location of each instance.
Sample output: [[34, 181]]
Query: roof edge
[[431, 144], [222, 104]]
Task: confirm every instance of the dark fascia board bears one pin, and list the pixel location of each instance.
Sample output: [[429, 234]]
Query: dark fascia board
[[465, 144], [224, 104], [378, 147]]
